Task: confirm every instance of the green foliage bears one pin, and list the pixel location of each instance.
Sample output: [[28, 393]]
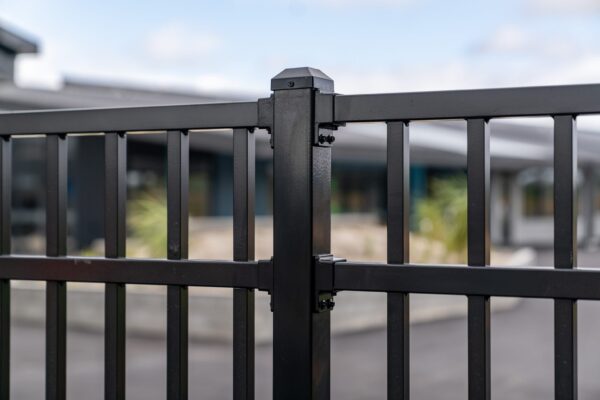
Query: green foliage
[[147, 223], [443, 216]]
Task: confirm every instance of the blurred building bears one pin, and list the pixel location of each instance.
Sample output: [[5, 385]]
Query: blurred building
[[521, 162]]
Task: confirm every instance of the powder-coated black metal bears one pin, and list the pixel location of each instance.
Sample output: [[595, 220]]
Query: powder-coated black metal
[[243, 250], [177, 242], [398, 212], [194, 116], [301, 272], [301, 342], [565, 254], [478, 190], [56, 246], [138, 271], [463, 104], [5, 205], [535, 282], [115, 197]]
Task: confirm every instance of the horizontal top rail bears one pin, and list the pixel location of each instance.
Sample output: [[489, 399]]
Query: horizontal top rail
[[487, 103], [192, 116]]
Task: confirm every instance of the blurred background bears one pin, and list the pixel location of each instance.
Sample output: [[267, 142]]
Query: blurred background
[[68, 54]]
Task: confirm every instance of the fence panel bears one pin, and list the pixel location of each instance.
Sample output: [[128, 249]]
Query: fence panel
[[302, 277]]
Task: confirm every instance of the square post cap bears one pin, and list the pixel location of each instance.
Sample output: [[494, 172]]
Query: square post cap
[[302, 78]]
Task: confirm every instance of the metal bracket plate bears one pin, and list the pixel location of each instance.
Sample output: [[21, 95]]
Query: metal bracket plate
[[324, 275], [324, 279]]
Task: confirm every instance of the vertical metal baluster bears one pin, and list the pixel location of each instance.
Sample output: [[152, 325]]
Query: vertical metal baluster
[[56, 246], [115, 180], [398, 213], [177, 296], [565, 254], [243, 250], [5, 206], [478, 187]]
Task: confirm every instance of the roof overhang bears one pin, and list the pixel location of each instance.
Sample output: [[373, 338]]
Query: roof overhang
[[13, 43]]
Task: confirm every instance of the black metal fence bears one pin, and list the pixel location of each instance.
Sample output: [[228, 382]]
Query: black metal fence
[[302, 277]]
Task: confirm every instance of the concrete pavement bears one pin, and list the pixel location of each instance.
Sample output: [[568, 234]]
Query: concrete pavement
[[521, 361]]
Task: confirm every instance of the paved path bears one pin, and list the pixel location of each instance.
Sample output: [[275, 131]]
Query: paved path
[[522, 356]]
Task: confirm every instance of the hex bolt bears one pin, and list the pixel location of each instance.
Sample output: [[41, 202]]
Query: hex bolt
[[326, 138]]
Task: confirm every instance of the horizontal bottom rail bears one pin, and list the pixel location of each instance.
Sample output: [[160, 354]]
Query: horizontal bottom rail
[[240, 274], [537, 282]]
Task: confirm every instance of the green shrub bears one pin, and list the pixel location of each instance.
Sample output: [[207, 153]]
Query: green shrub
[[147, 224], [443, 216]]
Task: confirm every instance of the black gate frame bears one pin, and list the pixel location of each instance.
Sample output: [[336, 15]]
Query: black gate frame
[[302, 276]]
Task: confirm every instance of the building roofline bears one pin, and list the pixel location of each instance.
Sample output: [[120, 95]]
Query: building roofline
[[100, 86], [15, 43]]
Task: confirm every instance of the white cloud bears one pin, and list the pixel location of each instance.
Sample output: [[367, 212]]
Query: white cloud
[[345, 4], [564, 6], [507, 39], [358, 3], [173, 43], [515, 41], [465, 73], [452, 74], [585, 69]]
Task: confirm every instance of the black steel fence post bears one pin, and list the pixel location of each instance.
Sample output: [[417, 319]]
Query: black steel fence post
[[302, 174]]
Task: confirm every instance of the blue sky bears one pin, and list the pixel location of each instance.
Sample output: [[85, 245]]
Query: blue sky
[[365, 45]]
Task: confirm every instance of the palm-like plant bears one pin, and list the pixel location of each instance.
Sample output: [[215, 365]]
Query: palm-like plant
[[147, 222], [443, 216]]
